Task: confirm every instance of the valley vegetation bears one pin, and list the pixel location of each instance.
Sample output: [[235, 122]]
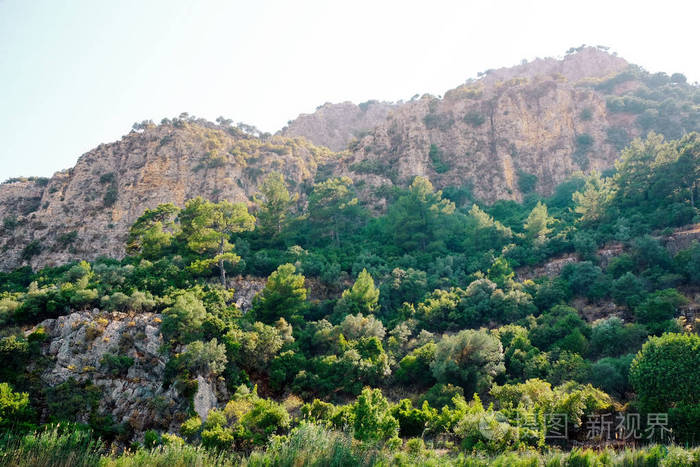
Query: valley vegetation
[[399, 338]]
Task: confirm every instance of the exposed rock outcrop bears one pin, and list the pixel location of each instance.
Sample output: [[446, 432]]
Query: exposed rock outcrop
[[511, 132], [85, 212], [132, 390], [335, 125]]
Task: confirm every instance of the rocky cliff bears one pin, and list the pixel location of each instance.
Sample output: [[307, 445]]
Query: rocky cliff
[[335, 125], [116, 362], [85, 212], [512, 132]]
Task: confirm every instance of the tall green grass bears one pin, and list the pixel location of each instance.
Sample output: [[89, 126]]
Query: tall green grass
[[312, 445], [171, 456], [57, 446]]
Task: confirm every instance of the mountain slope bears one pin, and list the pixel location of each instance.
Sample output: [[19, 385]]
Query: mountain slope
[[86, 211], [512, 132]]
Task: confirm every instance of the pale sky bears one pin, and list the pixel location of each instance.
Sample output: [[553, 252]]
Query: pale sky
[[77, 73]]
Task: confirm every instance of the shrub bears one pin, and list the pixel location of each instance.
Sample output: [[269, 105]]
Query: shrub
[[372, 418], [474, 118], [470, 359], [204, 358], [31, 250], [526, 182], [116, 365], [435, 155], [666, 372]]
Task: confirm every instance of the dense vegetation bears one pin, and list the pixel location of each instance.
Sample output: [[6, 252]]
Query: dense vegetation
[[378, 338]]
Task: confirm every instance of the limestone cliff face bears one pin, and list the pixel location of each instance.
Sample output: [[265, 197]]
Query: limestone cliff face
[[75, 347], [335, 125], [85, 212], [489, 137], [494, 134], [511, 132]]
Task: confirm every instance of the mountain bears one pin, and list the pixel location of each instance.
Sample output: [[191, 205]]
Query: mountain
[[335, 125], [86, 211], [523, 129], [509, 133]]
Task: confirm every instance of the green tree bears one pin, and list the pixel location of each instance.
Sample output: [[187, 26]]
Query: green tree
[[334, 208], [635, 168], [537, 224], [592, 202], [687, 166], [208, 226], [417, 220], [500, 272], [362, 297], [284, 296], [659, 309], [666, 372], [372, 420], [628, 290], [153, 231], [205, 358], [274, 203], [14, 406], [470, 359], [184, 317]]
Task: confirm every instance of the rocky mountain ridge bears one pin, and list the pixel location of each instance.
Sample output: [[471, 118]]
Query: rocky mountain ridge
[[86, 211], [512, 132]]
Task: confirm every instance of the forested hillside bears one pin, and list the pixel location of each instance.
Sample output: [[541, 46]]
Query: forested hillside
[[403, 337]]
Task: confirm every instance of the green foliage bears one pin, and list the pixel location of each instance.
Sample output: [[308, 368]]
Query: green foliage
[[31, 250], [412, 421], [526, 182], [116, 365], [474, 118], [659, 309], [184, 318], [362, 297], [416, 219], [56, 446], [561, 327], [334, 209], [208, 226], [611, 337], [537, 224], [470, 359], [204, 358], [414, 368], [436, 157], [153, 232], [14, 406], [612, 375], [284, 296], [666, 372], [372, 419], [274, 203]]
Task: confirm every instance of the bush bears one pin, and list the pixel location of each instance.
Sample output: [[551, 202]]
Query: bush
[[184, 318], [474, 118], [116, 365], [526, 182], [284, 296], [470, 359], [659, 309], [203, 358], [666, 372], [372, 418]]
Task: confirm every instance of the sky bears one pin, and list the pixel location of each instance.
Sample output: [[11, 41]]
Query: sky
[[77, 73]]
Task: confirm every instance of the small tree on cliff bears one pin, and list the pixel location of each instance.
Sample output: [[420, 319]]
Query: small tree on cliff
[[208, 226]]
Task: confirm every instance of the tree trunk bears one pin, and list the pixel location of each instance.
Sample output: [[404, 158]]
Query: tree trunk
[[222, 271]]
